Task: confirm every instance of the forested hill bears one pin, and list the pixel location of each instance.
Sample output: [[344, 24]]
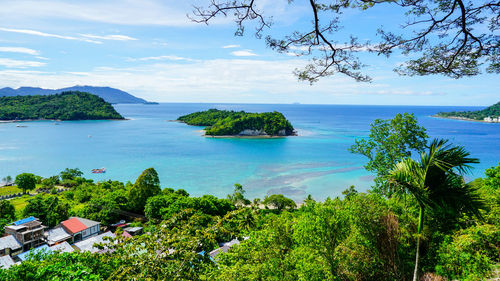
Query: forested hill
[[492, 111], [230, 123], [64, 106], [110, 95]]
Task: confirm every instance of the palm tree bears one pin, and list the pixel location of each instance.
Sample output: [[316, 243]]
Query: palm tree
[[436, 181]]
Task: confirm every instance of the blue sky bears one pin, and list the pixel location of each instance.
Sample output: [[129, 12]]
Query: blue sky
[[152, 50]]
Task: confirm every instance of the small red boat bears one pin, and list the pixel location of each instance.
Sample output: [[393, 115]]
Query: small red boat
[[99, 171]]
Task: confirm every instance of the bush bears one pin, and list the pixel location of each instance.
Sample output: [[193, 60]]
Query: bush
[[469, 254]]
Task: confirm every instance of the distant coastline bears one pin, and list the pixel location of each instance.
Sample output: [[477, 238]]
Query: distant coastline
[[490, 114], [59, 120], [461, 119]]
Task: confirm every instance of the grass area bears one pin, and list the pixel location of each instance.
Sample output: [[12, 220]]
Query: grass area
[[6, 190], [19, 204]]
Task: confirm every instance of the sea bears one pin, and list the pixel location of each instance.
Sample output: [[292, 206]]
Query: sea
[[316, 162]]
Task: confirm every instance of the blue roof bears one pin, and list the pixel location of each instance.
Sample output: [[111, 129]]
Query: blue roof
[[28, 219], [24, 256]]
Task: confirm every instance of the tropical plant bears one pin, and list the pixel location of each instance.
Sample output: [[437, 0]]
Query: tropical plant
[[7, 180], [238, 196], [436, 182]]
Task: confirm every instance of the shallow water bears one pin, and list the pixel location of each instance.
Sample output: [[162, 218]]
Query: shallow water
[[316, 162]]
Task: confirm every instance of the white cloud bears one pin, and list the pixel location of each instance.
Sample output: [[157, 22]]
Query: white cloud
[[230, 46], [20, 63], [166, 57], [43, 34], [129, 12], [135, 12], [115, 37], [20, 50], [236, 80], [243, 53]]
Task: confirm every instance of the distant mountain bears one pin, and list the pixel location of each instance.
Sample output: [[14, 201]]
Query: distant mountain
[[110, 95]]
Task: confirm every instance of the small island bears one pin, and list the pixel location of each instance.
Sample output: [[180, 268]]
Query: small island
[[240, 123], [64, 106], [490, 114]]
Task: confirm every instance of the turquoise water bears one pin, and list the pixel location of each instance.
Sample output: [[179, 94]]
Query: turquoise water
[[316, 162]]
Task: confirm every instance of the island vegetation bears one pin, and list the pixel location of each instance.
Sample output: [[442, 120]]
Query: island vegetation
[[231, 123], [64, 106], [478, 115], [422, 221]]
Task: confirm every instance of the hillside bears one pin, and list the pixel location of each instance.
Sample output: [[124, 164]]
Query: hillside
[[232, 123], [479, 115], [110, 95], [64, 106]]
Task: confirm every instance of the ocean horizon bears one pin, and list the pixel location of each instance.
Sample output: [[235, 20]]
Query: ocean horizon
[[315, 162]]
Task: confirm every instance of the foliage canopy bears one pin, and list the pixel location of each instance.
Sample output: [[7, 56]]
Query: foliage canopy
[[224, 122]]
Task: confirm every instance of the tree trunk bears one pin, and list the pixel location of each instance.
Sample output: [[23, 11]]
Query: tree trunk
[[419, 231], [415, 273]]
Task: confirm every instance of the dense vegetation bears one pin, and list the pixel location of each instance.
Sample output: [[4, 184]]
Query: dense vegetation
[[492, 111], [426, 213], [64, 106], [225, 123]]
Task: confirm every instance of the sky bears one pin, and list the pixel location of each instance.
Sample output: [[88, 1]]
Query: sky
[[151, 49]]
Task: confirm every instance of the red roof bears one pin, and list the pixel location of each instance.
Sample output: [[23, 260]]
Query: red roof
[[126, 234], [73, 225]]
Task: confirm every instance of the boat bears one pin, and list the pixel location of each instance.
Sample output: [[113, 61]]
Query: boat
[[99, 171], [21, 126]]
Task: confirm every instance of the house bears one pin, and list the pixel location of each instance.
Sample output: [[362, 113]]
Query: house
[[224, 248], [88, 245], [134, 230], [41, 249], [6, 262], [29, 232], [80, 228], [63, 247], [57, 235], [10, 246]]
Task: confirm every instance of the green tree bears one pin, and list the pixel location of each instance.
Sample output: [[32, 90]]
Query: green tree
[[440, 36], [279, 202], [50, 181], [389, 142], [26, 181], [7, 210], [238, 196], [48, 208], [7, 180], [71, 174], [146, 185], [436, 182], [7, 214]]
